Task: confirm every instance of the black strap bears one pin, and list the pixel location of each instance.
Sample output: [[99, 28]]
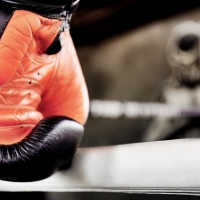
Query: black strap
[[52, 11], [56, 11]]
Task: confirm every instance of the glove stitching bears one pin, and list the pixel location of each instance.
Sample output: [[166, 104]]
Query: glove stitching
[[15, 126]]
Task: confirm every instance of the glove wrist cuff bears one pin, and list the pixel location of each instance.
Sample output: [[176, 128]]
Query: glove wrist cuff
[[61, 11]]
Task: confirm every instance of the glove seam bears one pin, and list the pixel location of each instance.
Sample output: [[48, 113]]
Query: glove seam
[[15, 126]]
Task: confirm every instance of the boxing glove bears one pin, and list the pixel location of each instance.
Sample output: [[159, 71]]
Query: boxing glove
[[43, 96]]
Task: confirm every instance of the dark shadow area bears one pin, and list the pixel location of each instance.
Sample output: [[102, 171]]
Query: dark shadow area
[[117, 196], [95, 21], [90, 195], [23, 195]]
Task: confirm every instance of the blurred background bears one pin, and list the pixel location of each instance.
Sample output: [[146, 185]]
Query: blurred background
[[121, 46]]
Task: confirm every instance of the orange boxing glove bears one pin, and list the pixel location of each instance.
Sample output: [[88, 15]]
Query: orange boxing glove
[[43, 96]]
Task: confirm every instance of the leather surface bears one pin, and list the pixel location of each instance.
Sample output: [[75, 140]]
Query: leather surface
[[49, 146], [34, 85], [43, 95]]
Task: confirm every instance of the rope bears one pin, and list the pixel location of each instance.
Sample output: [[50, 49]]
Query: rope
[[133, 110]]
